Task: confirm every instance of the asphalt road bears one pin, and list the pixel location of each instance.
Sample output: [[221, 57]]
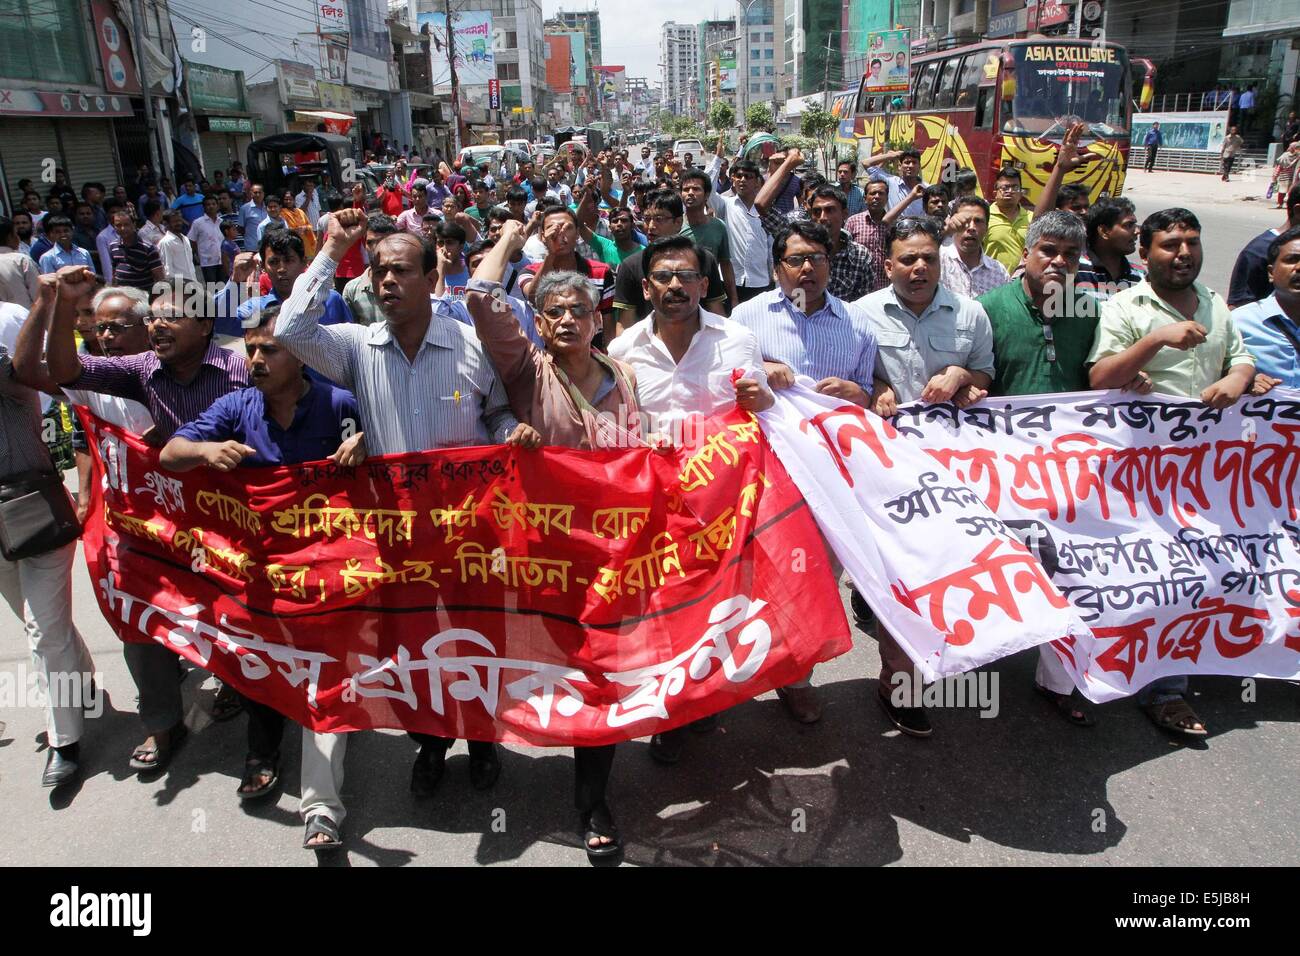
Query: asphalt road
[[1019, 788]]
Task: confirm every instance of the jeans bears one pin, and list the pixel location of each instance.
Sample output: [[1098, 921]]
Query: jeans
[[1162, 690], [39, 592]]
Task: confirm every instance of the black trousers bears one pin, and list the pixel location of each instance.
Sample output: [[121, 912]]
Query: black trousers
[[1151, 157], [265, 728], [212, 273], [591, 767]]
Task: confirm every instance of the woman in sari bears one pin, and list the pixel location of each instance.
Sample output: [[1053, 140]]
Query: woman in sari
[[575, 397], [296, 220]]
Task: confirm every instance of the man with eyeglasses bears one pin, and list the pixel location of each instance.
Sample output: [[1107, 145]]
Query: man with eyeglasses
[[177, 379], [1008, 220], [933, 346], [684, 357], [803, 328], [664, 215]]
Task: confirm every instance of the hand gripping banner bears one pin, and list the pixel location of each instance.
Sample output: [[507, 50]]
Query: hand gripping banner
[[1142, 536], [549, 597]]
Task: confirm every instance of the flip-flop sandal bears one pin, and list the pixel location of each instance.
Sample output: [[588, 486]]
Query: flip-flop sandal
[[600, 823], [1172, 713], [1067, 708], [320, 823], [255, 767], [162, 753], [226, 704]]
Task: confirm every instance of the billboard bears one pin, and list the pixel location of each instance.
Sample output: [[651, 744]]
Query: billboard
[[559, 63], [297, 84], [578, 52], [212, 88], [889, 60], [472, 39], [1200, 131], [370, 45], [727, 72]]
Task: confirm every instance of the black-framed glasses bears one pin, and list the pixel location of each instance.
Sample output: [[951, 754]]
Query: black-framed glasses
[[1049, 352], [796, 262]]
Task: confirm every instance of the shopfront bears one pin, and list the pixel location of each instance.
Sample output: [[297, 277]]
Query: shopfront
[[222, 120]]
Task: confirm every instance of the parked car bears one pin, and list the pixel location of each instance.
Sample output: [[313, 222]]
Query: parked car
[[493, 156], [520, 146], [692, 146]]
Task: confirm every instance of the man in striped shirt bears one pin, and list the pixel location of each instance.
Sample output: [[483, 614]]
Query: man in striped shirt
[[183, 374], [1105, 268], [803, 329], [133, 262], [422, 382], [964, 267]]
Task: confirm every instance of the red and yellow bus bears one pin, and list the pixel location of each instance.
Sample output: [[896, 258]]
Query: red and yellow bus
[[1006, 102]]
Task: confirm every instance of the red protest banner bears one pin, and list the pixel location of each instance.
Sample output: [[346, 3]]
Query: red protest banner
[[550, 598]]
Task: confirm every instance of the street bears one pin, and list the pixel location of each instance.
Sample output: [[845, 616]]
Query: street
[[1022, 787]]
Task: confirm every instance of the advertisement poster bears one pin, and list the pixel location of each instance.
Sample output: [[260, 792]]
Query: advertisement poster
[[889, 61], [1200, 131], [475, 62]]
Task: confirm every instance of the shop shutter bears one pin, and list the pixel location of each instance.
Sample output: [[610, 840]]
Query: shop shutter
[[89, 153], [24, 145]]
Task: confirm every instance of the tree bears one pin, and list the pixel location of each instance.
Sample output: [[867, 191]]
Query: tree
[[758, 118], [722, 116], [821, 126]]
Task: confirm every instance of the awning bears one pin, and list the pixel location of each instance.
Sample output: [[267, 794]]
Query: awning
[[324, 115]]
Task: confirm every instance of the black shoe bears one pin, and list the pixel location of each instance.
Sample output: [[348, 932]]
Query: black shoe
[[428, 770], [912, 721], [705, 725], [61, 765], [666, 748], [484, 765], [863, 616]]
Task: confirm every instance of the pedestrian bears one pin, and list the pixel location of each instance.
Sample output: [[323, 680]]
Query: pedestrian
[[1284, 172], [297, 221], [205, 234], [1271, 327], [19, 275], [933, 346], [1008, 220], [1105, 267], [176, 380], [308, 200], [1249, 281], [1291, 131], [708, 231], [189, 202], [251, 216], [396, 368], [288, 417], [902, 184], [1181, 335], [412, 220], [560, 233], [1232, 145], [1246, 103], [154, 228], [684, 357], [106, 237], [1153, 140], [175, 250], [274, 217], [965, 268], [750, 246], [359, 293], [844, 173], [63, 252], [563, 391]]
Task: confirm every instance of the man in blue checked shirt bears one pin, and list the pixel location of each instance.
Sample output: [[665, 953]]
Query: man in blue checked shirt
[[804, 330], [286, 418]]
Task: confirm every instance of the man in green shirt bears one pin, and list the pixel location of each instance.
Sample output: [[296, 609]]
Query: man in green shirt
[[1180, 334], [622, 227], [484, 200], [1042, 334], [708, 231], [1008, 221]]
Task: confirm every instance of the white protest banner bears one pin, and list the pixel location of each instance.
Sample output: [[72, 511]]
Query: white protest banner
[[1171, 528]]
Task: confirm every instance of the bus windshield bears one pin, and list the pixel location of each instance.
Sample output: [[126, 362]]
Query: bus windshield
[[1057, 84]]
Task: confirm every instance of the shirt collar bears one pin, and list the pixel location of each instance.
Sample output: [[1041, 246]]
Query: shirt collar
[[438, 333], [832, 305], [1143, 291], [943, 299]]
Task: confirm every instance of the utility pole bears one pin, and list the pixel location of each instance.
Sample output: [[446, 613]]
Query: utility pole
[[455, 89]]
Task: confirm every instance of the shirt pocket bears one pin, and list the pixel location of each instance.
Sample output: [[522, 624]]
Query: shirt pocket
[[892, 340], [952, 348]]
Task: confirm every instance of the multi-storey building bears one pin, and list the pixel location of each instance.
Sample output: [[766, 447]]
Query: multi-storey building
[[759, 52], [679, 59]]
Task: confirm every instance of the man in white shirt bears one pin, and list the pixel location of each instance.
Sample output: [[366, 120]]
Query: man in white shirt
[[205, 233], [683, 357], [154, 228], [902, 185], [751, 246], [308, 201], [964, 267], [557, 188], [175, 250], [104, 245]]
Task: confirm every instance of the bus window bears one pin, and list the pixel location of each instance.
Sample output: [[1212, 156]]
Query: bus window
[[984, 107], [923, 97], [946, 94], [968, 81], [1060, 84]]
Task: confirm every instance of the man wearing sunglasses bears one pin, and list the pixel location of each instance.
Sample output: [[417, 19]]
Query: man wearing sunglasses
[[683, 357], [933, 346]]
